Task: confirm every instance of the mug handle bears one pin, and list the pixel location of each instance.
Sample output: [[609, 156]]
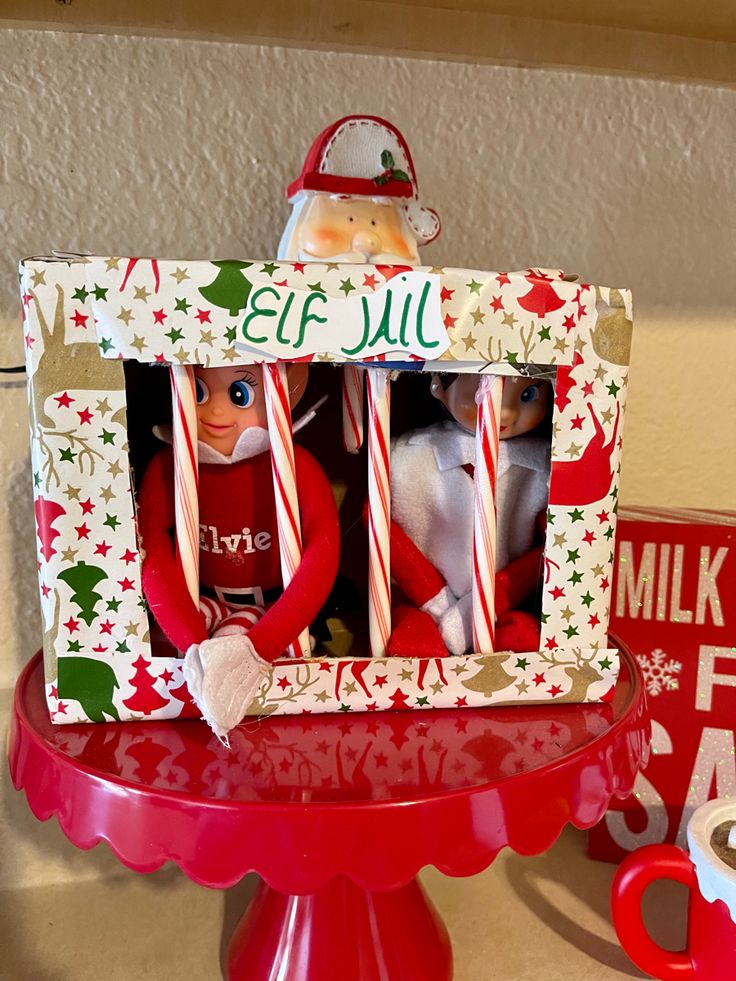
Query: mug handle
[[637, 871]]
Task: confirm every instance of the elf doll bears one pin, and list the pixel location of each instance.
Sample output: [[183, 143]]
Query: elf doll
[[432, 472], [245, 619]]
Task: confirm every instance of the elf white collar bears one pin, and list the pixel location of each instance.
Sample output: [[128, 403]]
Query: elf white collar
[[454, 446], [251, 442]]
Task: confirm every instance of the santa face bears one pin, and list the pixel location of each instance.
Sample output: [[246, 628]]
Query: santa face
[[231, 400], [354, 229], [523, 406]]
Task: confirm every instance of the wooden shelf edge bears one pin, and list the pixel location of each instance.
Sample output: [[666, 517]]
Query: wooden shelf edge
[[375, 27]]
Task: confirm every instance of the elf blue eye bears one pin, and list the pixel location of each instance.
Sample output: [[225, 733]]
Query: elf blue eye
[[530, 394], [201, 391], [241, 394]]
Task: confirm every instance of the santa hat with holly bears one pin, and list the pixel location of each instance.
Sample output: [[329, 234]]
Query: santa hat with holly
[[361, 156]]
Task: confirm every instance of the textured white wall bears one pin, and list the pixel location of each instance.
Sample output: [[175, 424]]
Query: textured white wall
[[176, 148]]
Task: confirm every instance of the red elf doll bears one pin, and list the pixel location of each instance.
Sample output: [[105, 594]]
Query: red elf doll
[[432, 492], [245, 619]]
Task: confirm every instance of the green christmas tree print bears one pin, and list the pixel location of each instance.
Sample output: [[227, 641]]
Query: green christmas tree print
[[82, 579], [230, 289]]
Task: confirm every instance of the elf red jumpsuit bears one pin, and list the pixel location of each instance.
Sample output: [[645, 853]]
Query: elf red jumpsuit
[[432, 500], [239, 550]]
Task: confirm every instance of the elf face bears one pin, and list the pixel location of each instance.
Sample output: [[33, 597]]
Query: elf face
[[523, 406], [231, 400], [347, 229]]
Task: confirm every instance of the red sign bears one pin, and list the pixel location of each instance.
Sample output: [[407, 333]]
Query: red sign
[[674, 605]]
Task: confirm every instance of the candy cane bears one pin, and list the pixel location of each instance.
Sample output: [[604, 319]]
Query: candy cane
[[352, 407], [278, 411], [186, 475], [379, 510], [487, 430]]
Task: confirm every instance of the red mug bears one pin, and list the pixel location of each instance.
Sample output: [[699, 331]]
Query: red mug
[[710, 954]]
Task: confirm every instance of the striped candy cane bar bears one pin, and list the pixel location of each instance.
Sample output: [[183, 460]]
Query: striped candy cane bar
[[487, 430], [283, 468], [186, 474], [352, 407], [379, 510]]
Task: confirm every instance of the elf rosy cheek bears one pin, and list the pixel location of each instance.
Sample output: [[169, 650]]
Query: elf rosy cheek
[[325, 240]]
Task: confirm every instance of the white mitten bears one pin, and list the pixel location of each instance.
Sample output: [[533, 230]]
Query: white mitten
[[223, 675], [439, 604], [456, 625]]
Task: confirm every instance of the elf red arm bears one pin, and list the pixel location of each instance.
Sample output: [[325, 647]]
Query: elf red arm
[[312, 582], [163, 579]]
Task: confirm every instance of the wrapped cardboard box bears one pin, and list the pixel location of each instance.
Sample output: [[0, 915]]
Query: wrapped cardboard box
[[89, 321]]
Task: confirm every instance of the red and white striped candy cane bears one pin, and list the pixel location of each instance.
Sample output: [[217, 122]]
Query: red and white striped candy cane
[[487, 431], [352, 407], [278, 411], [186, 474], [379, 510]]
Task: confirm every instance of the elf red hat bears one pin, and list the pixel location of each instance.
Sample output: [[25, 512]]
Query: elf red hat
[[365, 156]]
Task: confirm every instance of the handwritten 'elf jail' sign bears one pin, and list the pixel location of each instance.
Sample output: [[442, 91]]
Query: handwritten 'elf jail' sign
[[403, 316]]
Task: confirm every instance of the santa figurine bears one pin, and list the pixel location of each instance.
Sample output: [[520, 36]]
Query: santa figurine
[[357, 200], [432, 501], [245, 618]]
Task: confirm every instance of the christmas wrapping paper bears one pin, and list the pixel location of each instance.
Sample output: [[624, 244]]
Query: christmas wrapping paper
[[84, 315], [674, 585]]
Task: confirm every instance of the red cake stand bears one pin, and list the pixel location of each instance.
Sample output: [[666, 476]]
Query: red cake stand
[[336, 813]]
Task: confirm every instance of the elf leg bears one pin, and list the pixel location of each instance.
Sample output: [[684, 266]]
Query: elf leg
[[517, 631], [239, 621], [222, 620], [414, 634]]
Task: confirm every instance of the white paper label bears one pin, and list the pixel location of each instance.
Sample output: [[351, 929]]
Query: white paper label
[[402, 317]]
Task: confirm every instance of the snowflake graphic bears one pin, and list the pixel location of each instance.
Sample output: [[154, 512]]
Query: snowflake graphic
[[659, 671]]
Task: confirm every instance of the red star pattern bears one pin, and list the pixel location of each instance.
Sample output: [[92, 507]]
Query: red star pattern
[[445, 294], [125, 584], [449, 321], [370, 281], [203, 316], [85, 416], [87, 506], [64, 400], [128, 556], [71, 625], [159, 316], [80, 319], [496, 304], [82, 531], [539, 679], [102, 549]]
